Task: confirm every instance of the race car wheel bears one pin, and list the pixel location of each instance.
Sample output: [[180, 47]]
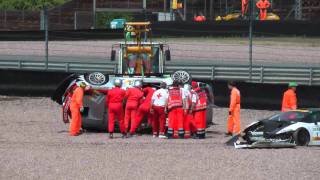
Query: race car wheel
[[96, 78], [301, 137], [181, 76]]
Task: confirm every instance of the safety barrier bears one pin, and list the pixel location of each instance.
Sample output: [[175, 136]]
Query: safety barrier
[[259, 73], [58, 66]]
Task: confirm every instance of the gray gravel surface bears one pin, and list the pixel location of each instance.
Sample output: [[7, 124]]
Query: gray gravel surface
[[289, 51], [34, 144]]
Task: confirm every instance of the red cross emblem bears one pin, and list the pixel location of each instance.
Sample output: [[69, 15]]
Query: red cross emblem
[[159, 95]]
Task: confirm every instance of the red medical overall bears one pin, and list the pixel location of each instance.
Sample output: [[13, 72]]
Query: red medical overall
[[134, 97], [201, 111], [189, 122], [175, 107], [144, 109], [160, 98], [115, 111]]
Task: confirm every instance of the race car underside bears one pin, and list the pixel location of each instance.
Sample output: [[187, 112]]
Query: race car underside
[[264, 134], [261, 140], [268, 143]]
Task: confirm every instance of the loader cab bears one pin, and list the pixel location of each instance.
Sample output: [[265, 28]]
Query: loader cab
[[138, 54], [145, 63]]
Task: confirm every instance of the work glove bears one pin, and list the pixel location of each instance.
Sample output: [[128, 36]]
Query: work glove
[[81, 109]]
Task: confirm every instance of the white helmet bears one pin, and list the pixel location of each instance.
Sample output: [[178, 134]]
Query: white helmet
[[117, 82], [187, 87], [138, 84]]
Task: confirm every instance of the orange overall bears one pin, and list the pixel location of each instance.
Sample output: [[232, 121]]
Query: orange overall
[[289, 101], [263, 5], [76, 104], [244, 6], [234, 112]]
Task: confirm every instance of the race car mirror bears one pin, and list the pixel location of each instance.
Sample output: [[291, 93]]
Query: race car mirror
[[168, 55], [113, 55]]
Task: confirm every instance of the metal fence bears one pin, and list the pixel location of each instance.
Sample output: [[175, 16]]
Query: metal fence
[[76, 67], [266, 57], [34, 20], [260, 74], [275, 59], [78, 14]]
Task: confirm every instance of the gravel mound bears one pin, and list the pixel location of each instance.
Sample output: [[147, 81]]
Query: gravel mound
[[34, 144]]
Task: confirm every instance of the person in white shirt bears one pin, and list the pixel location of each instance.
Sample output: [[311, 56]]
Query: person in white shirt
[[158, 106]]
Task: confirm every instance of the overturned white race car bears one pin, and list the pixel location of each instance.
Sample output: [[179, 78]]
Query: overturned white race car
[[286, 129], [136, 60]]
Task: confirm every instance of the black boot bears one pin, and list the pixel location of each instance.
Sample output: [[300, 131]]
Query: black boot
[[124, 135], [201, 134], [170, 133], [181, 133]]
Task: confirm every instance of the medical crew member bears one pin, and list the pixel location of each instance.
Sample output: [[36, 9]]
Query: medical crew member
[[176, 108], [144, 108], [115, 99], [158, 110], [189, 121], [200, 110], [134, 97]]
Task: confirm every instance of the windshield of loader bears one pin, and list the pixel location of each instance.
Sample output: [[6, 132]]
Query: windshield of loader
[[141, 63]]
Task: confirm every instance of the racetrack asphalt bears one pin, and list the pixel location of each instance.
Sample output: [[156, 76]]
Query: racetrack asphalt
[[266, 51], [34, 144]]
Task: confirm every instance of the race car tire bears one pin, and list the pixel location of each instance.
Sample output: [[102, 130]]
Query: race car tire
[[181, 76], [301, 137], [96, 78]]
